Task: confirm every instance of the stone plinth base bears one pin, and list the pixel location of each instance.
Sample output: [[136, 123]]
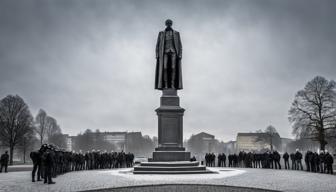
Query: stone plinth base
[[171, 156], [174, 167]]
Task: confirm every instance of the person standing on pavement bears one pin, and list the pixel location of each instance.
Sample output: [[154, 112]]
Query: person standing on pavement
[[4, 161], [36, 157], [49, 165]]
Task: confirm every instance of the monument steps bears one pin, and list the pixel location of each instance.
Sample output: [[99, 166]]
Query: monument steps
[[171, 163], [171, 167], [173, 172], [152, 168]]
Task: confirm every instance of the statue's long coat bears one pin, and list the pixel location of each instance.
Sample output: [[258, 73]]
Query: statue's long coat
[[159, 84]]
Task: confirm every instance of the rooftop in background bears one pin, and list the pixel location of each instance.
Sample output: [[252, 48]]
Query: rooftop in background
[[204, 135]]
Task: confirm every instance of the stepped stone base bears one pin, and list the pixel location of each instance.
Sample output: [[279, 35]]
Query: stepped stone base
[[173, 167], [170, 156]]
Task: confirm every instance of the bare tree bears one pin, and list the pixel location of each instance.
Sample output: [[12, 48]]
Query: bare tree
[[52, 128], [27, 144], [273, 136], [46, 127], [313, 111], [16, 122], [41, 125]]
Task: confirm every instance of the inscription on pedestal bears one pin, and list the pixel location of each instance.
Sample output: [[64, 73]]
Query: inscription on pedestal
[[170, 131]]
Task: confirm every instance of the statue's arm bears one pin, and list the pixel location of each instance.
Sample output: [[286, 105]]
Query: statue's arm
[[157, 46], [180, 44]]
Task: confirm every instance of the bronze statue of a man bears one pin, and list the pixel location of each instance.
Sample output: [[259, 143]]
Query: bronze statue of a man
[[168, 74]]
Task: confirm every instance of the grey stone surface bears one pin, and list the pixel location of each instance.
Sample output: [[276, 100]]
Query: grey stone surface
[[26, 167], [184, 188], [282, 180]]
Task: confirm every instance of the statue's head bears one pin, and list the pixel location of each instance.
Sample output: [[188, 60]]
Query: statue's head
[[169, 23]]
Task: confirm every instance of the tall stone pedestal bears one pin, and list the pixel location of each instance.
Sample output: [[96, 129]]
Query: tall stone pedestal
[[170, 125]]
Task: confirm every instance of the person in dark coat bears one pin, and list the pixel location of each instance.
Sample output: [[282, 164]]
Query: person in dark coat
[[298, 159], [277, 158], [223, 160], [292, 157], [285, 156], [322, 161], [329, 163], [36, 157], [4, 161], [307, 160], [235, 160], [316, 162], [230, 157], [49, 165], [271, 160]]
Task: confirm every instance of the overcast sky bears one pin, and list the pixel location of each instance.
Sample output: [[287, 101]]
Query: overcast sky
[[90, 64]]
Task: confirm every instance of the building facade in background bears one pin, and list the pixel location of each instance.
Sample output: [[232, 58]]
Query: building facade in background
[[133, 142], [230, 147], [202, 143], [118, 139], [257, 142]]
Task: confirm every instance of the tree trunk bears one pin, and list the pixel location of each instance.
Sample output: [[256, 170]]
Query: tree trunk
[[11, 152], [323, 143], [271, 142], [322, 140], [24, 150], [322, 146]]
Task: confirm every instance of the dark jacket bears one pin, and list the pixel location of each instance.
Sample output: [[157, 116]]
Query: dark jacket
[[4, 159]]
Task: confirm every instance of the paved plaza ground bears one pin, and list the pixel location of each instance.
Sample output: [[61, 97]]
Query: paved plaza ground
[[280, 180], [24, 167]]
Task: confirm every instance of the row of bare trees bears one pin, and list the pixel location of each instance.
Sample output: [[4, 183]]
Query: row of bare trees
[[19, 130], [313, 112]]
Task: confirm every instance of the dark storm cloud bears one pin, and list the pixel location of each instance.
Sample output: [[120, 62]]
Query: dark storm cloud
[[90, 64]]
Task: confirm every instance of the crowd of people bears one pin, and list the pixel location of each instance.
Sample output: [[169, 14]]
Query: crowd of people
[[322, 162], [49, 161], [315, 162], [210, 159]]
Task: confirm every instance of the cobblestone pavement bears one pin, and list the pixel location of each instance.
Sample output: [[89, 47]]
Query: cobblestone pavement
[[14, 168], [98, 179]]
